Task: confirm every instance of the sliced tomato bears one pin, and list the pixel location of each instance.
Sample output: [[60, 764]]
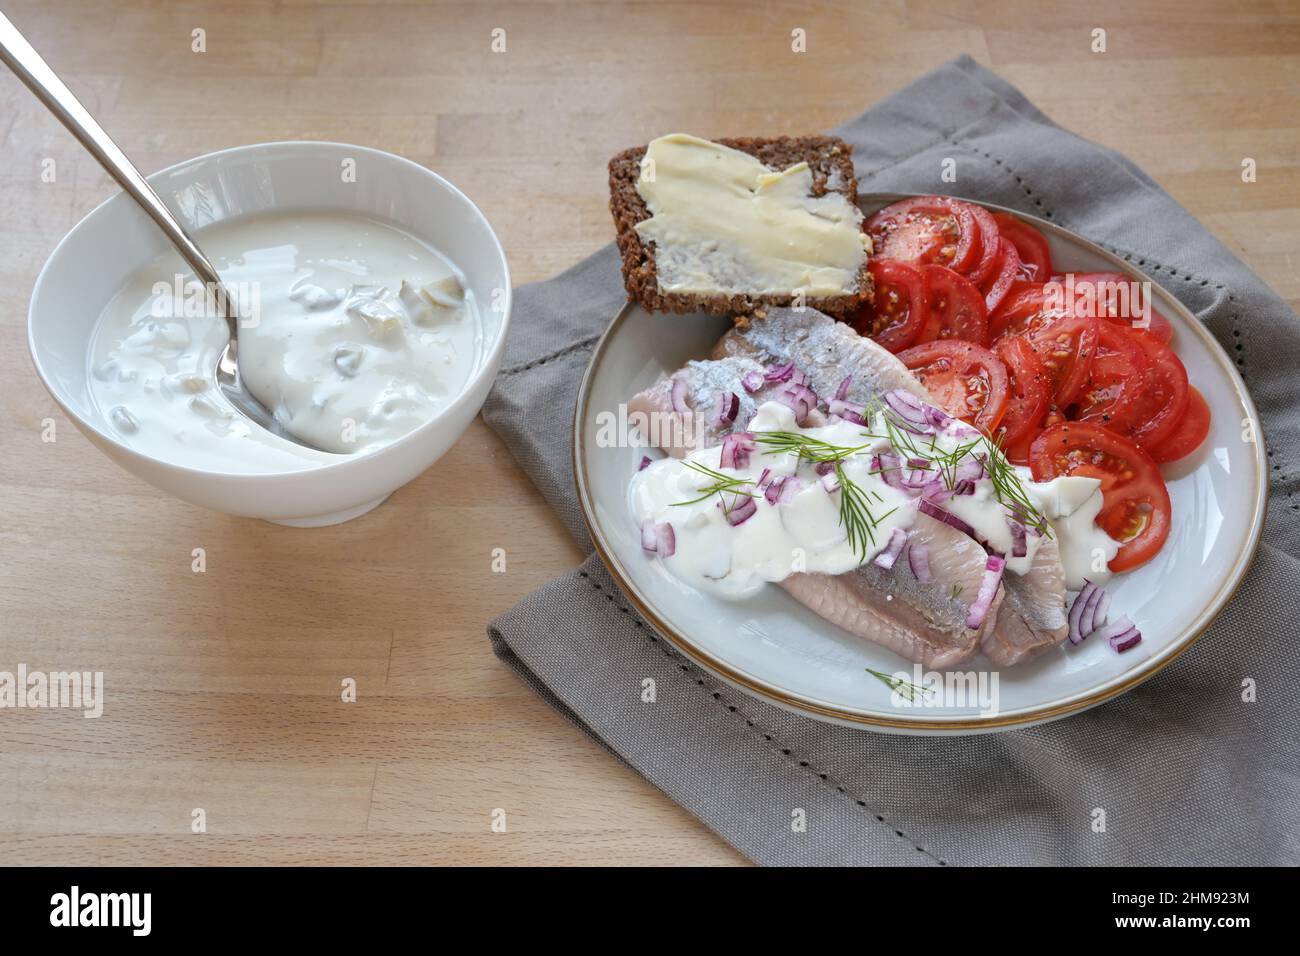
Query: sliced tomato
[[955, 306], [1135, 502], [896, 317], [1118, 298], [924, 230], [1190, 431], [1163, 400], [1031, 246], [996, 287], [1030, 390], [1113, 394], [1026, 307], [967, 380], [987, 262], [1066, 346]]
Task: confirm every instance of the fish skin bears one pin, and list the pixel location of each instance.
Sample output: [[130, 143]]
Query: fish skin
[[924, 623], [921, 622], [822, 349], [1033, 616]]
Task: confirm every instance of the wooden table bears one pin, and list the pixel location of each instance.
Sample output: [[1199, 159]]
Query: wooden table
[[223, 687]]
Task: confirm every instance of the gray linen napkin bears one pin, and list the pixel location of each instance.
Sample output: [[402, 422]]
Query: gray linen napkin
[[1185, 770]]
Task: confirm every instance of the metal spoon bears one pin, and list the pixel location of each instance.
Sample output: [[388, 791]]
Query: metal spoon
[[27, 64]]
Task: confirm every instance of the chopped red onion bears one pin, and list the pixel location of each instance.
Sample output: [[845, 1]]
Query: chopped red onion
[[1122, 642], [740, 509], [679, 395], [1120, 634], [773, 491], [830, 481], [947, 517], [886, 558], [1087, 611], [909, 410], [918, 479], [964, 487], [842, 393], [645, 461], [971, 468], [801, 400], [752, 381], [780, 373], [918, 556], [889, 467], [993, 568], [736, 448], [764, 479], [728, 407], [782, 490], [658, 538], [1019, 547], [849, 411]]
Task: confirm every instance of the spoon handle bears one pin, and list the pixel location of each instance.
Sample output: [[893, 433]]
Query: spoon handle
[[29, 67]]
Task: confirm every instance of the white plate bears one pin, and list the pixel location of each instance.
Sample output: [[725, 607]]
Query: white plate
[[772, 646]]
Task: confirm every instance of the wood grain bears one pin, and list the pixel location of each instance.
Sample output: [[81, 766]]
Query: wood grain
[[223, 688]]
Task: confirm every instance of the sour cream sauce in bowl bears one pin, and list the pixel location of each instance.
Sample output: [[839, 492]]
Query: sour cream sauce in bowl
[[355, 334]]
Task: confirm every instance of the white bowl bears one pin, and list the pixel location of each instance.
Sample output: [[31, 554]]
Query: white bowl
[[95, 259]]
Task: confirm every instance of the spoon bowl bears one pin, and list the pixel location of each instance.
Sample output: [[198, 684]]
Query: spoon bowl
[[29, 67]]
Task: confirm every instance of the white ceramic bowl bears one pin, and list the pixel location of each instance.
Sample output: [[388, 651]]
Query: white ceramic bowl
[[94, 260]]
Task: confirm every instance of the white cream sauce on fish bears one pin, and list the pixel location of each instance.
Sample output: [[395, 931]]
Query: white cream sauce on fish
[[803, 531]]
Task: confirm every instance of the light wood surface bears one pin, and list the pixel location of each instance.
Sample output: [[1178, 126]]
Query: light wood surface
[[223, 688]]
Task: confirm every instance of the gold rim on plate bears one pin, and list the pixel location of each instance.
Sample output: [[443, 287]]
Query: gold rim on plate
[[1143, 670]]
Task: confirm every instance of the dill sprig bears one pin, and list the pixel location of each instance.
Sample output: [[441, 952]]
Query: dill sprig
[[806, 447], [903, 688], [718, 484], [1007, 486], [856, 517]]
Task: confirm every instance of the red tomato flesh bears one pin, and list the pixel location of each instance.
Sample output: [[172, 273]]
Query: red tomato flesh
[[1112, 396], [955, 306], [966, 380], [898, 313], [926, 230], [1030, 391], [1031, 246], [1135, 507], [995, 289], [1190, 431]]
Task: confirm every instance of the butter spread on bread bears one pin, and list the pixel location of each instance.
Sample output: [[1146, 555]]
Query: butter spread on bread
[[723, 222]]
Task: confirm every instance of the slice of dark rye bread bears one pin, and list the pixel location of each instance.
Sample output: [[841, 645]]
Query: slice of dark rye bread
[[831, 162]]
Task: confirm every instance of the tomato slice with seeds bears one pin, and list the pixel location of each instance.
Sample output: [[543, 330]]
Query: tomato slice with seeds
[[1120, 299], [1066, 346], [987, 262], [995, 289], [1135, 502], [966, 380], [924, 230], [955, 306], [898, 313], [1030, 390], [1031, 245], [1026, 307], [1164, 394], [1189, 432], [1113, 394]]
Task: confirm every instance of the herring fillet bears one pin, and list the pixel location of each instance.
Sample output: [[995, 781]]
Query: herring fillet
[[924, 623]]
